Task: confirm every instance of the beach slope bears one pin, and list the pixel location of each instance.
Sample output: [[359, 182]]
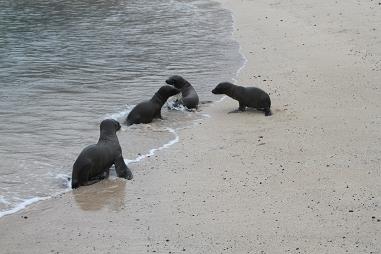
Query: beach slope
[[305, 180]]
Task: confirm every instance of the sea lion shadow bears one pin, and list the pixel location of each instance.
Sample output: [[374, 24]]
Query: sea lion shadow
[[109, 194], [249, 111]]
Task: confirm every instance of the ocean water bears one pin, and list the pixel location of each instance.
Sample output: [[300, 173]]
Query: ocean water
[[67, 65]]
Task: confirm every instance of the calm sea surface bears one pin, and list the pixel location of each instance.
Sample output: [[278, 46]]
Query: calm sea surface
[[66, 65]]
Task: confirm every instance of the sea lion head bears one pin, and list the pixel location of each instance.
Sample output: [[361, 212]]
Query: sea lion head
[[167, 91], [110, 126], [177, 81], [222, 88]]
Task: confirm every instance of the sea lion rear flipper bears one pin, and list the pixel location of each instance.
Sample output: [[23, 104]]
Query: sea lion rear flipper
[[267, 111], [99, 177], [80, 174], [84, 178], [235, 111], [129, 121]]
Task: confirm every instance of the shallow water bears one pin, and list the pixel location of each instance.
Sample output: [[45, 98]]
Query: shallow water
[[66, 65]]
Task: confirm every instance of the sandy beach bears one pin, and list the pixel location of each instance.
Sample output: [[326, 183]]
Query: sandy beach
[[305, 180]]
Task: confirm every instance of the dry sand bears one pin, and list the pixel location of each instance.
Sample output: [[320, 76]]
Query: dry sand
[[305, 180]]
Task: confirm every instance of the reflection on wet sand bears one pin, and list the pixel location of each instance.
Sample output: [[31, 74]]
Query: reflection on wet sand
[[109, 194]]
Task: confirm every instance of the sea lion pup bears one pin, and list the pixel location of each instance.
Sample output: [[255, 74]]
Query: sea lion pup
[[252, 97], [146, 111], [94, 162], [188, 93]]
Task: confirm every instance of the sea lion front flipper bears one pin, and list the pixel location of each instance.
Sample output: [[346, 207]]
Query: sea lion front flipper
[[158, 115], [242, 107], [121, 168], [235, 111]]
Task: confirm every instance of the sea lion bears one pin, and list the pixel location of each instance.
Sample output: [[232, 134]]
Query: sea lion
[[188, 93], [94, 162], [252, 97], [146, 111]]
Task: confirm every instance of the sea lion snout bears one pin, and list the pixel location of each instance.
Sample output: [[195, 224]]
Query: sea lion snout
[[168, 91], [177, 81], [146, 111], [117, 125], [169, 82], [222, 88]]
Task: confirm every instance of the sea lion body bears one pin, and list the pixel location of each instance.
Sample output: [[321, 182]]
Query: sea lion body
[[146, 111], [188, 93], [252, 97], [94, 162]]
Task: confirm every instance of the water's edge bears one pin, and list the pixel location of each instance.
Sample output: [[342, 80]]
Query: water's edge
[[173, 131]]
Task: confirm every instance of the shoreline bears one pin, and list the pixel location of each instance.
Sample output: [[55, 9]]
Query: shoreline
[[150, 152], [35, 200], [72, 102], [305, 180]]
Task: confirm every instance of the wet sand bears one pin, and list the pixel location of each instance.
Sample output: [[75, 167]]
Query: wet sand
[[305, 180]]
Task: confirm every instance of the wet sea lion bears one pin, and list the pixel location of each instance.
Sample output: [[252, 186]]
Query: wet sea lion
[[252, 97], [94, 162], [146, 111], [189, 96]]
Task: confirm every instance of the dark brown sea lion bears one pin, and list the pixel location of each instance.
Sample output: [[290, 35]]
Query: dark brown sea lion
[[94, 162], [252, 97], [189, 97], [146, 111]]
